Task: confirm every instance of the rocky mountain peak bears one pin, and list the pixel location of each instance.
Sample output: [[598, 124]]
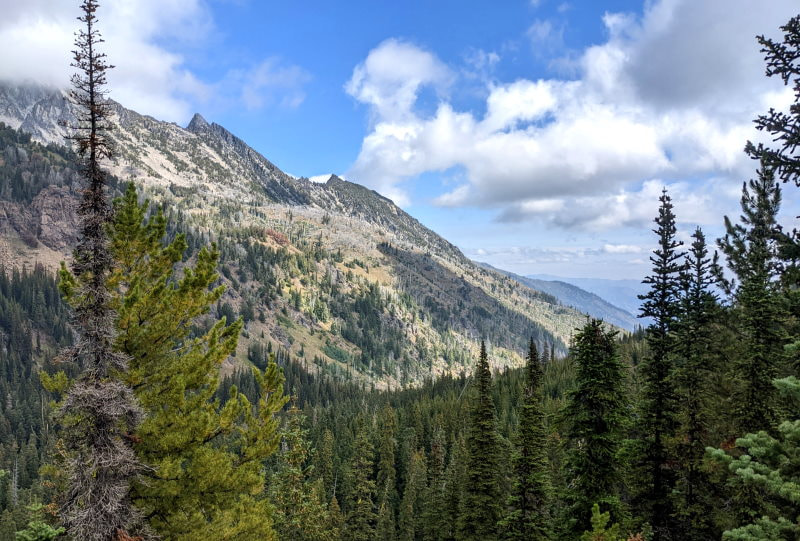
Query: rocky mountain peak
[[198, 124]]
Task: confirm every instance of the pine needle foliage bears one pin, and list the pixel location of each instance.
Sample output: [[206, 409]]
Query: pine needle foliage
[[361, 517], [770, 465], [750, 251], [783, 61], [695, 343], [207, 478], [597, 411], [658, 419], [99, 411], [301, 513], [528, 515], [480, 506]]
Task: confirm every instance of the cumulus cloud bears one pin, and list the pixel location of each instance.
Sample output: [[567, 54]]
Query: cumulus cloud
[[670, 95], [143, 38], [390, 78], [701, 204]]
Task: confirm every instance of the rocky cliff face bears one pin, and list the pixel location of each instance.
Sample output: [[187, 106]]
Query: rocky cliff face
[[37, 110], [334, 272]]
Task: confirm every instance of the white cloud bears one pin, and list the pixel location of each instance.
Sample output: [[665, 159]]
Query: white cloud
[[545, 36], [270, 82], [669, 95], [634, 208], [150, 77], [393, 73], [621, 249]]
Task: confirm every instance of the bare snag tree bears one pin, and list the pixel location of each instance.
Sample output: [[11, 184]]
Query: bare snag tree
[[99, 411]]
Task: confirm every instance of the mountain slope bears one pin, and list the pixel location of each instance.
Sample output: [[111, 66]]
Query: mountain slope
[[333, 272], [580, 299], [622, 293]]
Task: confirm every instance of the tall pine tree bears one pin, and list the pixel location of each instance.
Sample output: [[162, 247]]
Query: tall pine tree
[[597, 410], [99, 411], [413, 502], [528, 516], [751, 255], [783, 61], [695, 336], [480, 507], [658, 419]]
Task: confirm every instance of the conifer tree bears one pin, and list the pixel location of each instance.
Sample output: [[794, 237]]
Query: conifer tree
[[207, 477], [528, 516], [750, 251], [385, 528], [454, 486], [480, 508], [37, 528], [386, 475], [783, 61], [597, 410], [323, 460], [769, 465], [435, 517], [300, 511], [99, 411], [658, 402], [601, 529], [412, 504], [336, 520], [361, 518], [699, 309]]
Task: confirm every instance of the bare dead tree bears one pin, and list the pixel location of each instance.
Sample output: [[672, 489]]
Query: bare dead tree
[[99, 411]]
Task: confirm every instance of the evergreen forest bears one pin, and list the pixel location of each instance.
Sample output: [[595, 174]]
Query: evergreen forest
[[120, 419]]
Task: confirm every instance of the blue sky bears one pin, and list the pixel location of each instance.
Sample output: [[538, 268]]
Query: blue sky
[[535, 135]]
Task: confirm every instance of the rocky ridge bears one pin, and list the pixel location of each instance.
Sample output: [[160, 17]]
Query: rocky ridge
[[334, 272]]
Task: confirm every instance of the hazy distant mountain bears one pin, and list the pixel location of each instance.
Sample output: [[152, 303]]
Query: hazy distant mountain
[[622, 293], [577, 297]]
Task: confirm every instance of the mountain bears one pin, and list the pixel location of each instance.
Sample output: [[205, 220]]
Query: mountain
[[333, 273], [578, 298], [622, 293]]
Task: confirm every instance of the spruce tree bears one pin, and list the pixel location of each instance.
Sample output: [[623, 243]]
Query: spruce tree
[[410, 527], [99, 412], [386, 479], [360, 519], [207, 477], [300, 510], [783, 61], [480, 508], [323, 460], [435, 517], [597, 410], [695, 328], [528, 516], [750, 251], [770, 466], [658, 418]]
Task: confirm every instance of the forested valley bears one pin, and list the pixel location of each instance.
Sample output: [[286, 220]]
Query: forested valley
[[118, 421]]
